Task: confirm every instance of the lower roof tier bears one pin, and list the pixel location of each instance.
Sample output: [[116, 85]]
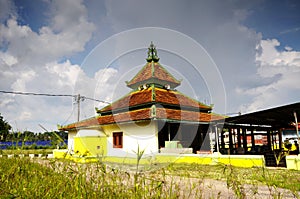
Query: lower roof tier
[[144, 114]]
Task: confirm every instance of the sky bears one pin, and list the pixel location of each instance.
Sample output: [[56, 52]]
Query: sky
[[240, 56]]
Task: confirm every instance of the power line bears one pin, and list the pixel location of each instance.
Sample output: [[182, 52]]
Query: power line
[[41, 94], [51, 95], [95, 100], [69, 116], [77, 98]]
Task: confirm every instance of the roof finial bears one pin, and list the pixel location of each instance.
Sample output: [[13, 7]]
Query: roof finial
[[152, 54]]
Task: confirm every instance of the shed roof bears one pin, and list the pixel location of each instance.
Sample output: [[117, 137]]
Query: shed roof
[[281, 116]]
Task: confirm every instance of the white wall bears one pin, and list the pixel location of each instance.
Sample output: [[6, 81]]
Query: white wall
[[71, 135], [142, 134], [90, 132]]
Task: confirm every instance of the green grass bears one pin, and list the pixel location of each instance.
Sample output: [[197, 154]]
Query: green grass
[[22, 178], [25, 151], [25, 178]]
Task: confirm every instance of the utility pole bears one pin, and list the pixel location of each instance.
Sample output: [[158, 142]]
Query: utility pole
[[78, 107], [78, 98]]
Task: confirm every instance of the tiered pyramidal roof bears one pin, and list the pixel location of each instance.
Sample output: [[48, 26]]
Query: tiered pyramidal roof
[[153, 96], [153, 73]]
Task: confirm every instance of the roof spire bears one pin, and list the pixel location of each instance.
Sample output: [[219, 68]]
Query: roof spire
[[152, 54]]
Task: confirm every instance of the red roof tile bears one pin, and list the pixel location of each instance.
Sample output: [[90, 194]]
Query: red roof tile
[[141, 114], [162, 74], [133, 99], [135, 115], [162, 96], [153, 71], [177, 98], [183, 115], [83, 123], [145, 114]]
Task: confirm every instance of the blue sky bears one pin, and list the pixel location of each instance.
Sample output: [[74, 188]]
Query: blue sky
[[251, 48], [277, 19]]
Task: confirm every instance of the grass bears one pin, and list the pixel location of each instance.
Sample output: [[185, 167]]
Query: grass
[[23, 178], [26, 151]]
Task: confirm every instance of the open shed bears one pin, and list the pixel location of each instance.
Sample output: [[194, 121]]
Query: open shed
[[260, 132]]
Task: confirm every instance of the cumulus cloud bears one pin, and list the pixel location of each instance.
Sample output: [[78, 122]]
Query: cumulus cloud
[[52, 42], [283, 67], [7, 59], [36, 61], [99, 87]]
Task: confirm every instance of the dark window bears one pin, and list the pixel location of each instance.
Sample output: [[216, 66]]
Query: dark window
[[118, 140]]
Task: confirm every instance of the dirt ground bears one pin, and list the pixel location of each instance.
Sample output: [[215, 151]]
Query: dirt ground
[[218, 189], [209, 188]]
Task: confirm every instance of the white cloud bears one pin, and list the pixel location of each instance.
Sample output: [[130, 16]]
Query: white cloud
[[66, 14], [25, 112], [65, 36], [25, 116], [31, 61], [100, 87], [7, 59], [23, 78], [285, 67], [288, 48], [271, 56], [66, 73]]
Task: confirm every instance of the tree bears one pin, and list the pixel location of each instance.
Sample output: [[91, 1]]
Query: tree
[[4, 128]]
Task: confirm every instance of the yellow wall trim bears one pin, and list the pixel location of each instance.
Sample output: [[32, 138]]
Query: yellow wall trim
[[247, 161]]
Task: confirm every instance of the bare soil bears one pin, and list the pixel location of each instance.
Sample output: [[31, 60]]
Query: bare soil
[[210, 188]]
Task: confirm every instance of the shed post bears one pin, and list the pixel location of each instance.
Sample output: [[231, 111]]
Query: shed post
[[239, 137], [252, 138], [217, 138], [230, 140], [245, 144], [222, 139], [269, 139], [280, 138]]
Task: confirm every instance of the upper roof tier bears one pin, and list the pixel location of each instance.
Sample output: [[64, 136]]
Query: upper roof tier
[[153, 95], [153, 73]]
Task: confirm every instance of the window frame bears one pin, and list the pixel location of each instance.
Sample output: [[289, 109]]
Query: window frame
[[117, 140]]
